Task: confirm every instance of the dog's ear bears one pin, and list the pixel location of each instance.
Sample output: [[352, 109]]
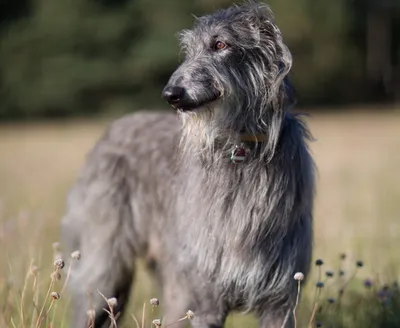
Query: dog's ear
[[258, 16]]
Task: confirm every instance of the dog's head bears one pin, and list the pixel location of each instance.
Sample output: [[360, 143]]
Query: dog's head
[[234, 58]]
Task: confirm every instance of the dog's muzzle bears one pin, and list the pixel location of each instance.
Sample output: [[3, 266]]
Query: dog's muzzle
[[177, 97], [173, 95]]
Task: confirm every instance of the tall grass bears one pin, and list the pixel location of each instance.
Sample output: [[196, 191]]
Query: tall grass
[[357, 212], [334, 299]]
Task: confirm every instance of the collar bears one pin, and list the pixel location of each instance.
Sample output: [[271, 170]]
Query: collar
[[252, 137]]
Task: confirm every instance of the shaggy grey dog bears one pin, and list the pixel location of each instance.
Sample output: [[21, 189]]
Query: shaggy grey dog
[[217, 197]]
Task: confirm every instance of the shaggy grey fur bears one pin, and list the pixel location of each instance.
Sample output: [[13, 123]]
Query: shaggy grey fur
[[220, 236]]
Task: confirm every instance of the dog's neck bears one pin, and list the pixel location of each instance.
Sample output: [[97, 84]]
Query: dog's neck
[[202, 138]]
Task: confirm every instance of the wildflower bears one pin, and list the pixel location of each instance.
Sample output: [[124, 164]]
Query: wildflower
[[55, 296], [298, 276], [368, 283], [189, 314], [157, 322], [331, 300], [329, 274], [359, 264], [59, 263], [154, 302], [76, 255], [319, 284], [319, 262], [384, 294], [112, 302], [55, 276], [381, 294]]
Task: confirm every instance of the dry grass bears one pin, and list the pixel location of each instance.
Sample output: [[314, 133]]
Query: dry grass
[[357, 209]]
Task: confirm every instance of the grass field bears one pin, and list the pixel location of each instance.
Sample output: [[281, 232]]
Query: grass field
[[357, 212]]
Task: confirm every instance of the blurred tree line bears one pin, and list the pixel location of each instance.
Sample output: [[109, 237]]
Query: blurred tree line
[[73, 57]]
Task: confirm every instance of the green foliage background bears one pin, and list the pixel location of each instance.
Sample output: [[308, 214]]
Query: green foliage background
[[70, 57]]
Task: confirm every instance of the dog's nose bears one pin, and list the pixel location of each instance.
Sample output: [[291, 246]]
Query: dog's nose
[[173, 94]]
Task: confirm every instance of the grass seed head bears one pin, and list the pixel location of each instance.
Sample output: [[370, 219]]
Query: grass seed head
[[156, 322], [59, 263], [76, 255], [319, 262], [189, 314], [112, 302], [55, 295], [329, 274], [154, 302], [299, 276]]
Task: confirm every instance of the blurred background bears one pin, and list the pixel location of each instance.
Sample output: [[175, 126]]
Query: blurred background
[[80, 57], [68, 67]]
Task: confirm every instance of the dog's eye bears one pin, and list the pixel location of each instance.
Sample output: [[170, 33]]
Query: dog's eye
[[219, 45]]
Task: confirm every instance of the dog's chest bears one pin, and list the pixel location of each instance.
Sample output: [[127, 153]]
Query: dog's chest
[[227, 214]]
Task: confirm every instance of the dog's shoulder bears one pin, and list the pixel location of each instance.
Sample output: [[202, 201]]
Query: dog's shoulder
[[145, 141]]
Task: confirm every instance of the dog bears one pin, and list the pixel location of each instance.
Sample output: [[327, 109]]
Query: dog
[[215, 194]]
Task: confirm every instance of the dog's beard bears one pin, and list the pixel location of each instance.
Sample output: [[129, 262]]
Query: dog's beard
[[208, 127], [200, 128]]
